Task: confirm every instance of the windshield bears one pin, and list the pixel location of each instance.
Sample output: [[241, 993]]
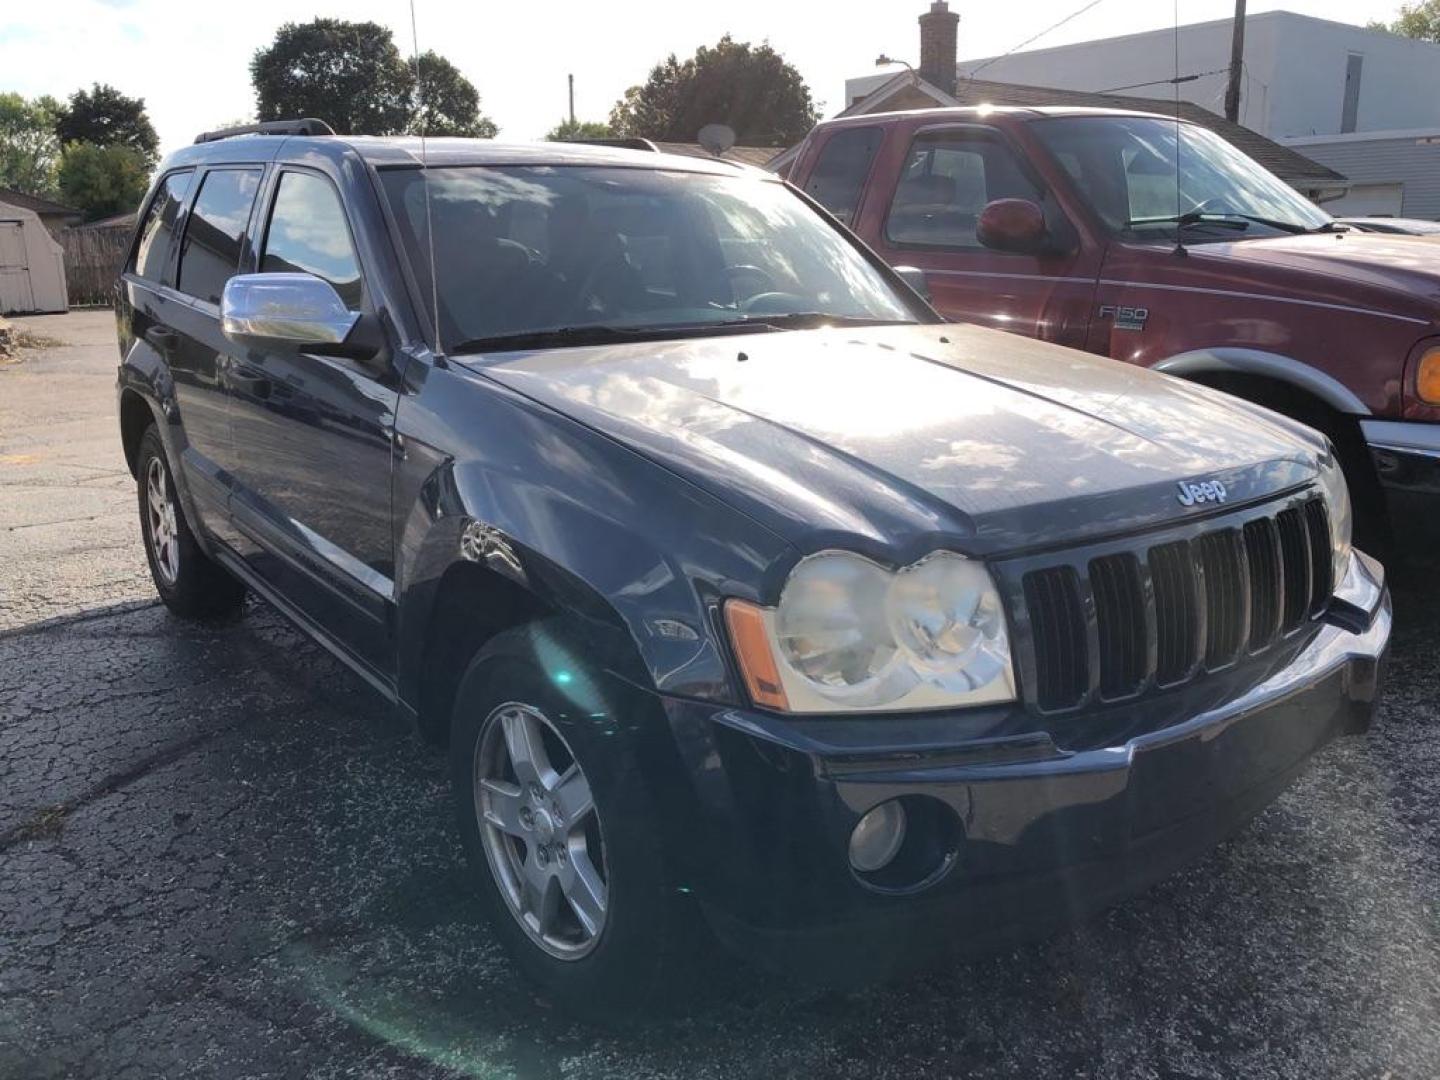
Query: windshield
[[1125, 168], [577, 251]]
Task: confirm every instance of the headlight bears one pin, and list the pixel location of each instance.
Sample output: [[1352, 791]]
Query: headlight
[[850, 634], [1337, 508]]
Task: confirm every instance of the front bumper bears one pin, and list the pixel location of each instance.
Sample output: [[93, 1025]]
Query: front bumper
[[1042, 836]]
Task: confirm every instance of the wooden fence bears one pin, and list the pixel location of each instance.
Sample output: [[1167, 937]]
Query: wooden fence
[[93, 256]]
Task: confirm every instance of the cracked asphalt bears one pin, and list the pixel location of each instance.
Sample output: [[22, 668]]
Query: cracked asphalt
[[220, 855]]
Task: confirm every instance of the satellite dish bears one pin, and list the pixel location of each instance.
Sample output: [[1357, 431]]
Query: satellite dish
[[717, 138]]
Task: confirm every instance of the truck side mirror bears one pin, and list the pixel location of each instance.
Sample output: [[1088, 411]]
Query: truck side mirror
[[1013, 225]]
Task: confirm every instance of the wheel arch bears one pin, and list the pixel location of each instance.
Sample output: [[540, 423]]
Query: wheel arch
[[1273, 367], [136, 414]]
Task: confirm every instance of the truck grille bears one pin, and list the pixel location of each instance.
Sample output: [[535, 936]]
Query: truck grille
[[1110, 626]]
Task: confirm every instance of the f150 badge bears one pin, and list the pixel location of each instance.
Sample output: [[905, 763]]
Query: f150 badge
[[1125, 318], [1193, 494]]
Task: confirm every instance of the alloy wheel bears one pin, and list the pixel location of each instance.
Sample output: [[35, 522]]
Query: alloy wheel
[[541, 831], [160, 518]]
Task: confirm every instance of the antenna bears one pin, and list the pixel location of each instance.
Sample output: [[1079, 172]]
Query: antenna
[[425, 180], [1179, 136]]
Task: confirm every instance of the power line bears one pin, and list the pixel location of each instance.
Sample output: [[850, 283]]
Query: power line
[[1164, 82], [1037, 37]]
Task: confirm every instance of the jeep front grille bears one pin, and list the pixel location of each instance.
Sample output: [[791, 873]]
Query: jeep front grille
[[1107, 626]]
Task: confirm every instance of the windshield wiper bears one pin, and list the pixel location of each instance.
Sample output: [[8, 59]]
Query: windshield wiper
[[600, 334], [1225, 219]]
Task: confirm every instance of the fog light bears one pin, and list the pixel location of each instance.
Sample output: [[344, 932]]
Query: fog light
[[877, 837]]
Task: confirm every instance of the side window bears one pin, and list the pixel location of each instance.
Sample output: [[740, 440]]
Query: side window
[[308, 234], [159, 226], [210, 250], [947, 179], [840, 172]]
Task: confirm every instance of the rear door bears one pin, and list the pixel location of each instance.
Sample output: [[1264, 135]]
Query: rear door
[[213, 234], [923, 208], [313, 435]]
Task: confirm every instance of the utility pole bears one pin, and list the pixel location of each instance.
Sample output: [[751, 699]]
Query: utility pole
[[572, 97], [1237, 60]]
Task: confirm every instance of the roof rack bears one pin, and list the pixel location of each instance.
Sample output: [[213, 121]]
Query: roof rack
[[632, 143], [308, 125]]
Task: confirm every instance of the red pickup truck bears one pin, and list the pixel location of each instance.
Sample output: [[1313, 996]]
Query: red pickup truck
[[1070, 225]]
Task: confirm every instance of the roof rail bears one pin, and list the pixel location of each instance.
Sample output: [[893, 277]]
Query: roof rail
[[308, 125], [632, 143]]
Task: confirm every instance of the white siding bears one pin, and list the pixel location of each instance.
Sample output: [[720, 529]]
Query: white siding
[[1294, 72]]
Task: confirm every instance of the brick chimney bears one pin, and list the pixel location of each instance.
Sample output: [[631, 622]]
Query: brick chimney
[[937, 46]]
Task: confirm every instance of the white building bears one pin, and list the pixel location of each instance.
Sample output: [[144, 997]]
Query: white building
[[1362, 102]]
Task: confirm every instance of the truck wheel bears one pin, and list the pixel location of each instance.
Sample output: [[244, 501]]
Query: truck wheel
[[560, 836], [189, 583]]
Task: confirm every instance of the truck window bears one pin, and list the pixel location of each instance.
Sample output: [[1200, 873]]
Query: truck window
[[210, 250], [308, 234], [947, 179], [159, 226], [841, 169]]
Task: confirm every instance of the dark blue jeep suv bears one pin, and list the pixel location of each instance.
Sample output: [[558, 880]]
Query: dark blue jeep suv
[[749, 599]]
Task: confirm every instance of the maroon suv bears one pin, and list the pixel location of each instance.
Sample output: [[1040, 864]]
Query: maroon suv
[[1070, 225]]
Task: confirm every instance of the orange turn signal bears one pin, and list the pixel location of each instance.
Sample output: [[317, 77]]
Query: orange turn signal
[[1427, 377], [746, 623]]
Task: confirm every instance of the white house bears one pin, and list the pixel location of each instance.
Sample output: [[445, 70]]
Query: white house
[[1328, 89]]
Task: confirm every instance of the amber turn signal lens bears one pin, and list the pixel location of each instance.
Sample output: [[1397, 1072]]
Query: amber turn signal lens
[[1427, 378], [746, 624]]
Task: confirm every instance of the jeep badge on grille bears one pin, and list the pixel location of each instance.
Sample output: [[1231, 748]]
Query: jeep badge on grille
[[1192, 494]]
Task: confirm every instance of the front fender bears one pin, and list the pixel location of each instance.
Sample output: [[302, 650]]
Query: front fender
[[1284, 369], [637, 556]]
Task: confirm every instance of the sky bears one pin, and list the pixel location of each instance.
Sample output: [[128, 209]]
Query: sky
[[189, 58]]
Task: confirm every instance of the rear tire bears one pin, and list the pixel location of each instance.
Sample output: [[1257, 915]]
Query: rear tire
[[611, 961], [188, 581]]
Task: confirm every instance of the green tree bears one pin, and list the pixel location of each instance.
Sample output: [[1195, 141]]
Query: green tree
[[446, 103], [751, 88], [352, 76], [102, 180], [580, 129], [104, 116], [1419, 20], [29, 149]]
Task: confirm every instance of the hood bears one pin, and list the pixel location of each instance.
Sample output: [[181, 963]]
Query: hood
[[1395, 274], [894, 440]]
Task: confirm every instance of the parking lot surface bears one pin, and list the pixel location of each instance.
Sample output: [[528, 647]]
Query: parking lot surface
[[221, 855]]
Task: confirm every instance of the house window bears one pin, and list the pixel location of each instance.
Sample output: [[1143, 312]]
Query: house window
[[1353, 63]]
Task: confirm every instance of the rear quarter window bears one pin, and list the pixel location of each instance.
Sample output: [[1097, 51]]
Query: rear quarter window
[[840, 171], [158, 228]]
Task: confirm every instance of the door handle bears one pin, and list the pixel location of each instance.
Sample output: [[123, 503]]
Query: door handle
[[250, 382], [162, 339]]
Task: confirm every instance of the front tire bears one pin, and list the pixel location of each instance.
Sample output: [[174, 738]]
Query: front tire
[[190, 584], [560, 835]]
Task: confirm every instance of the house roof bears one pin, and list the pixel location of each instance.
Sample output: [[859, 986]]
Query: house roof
[[35, 203], [1288, 164]]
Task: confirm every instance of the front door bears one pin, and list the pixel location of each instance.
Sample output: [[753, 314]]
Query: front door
[[313, 439], [941, 181]]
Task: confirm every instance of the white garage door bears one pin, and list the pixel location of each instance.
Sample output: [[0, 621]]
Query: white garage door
[[15, 293], [1366, 200]]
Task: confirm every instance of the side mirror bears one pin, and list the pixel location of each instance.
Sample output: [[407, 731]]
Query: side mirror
[[915, 278], [296, 309], [1013, 225]]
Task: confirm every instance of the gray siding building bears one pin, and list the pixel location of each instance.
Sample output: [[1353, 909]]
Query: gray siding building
[[1393, 173]]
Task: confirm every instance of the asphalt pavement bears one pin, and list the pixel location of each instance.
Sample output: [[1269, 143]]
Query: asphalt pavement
[[221, 855]]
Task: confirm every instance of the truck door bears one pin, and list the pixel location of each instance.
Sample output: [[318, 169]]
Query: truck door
[[922, 210]]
